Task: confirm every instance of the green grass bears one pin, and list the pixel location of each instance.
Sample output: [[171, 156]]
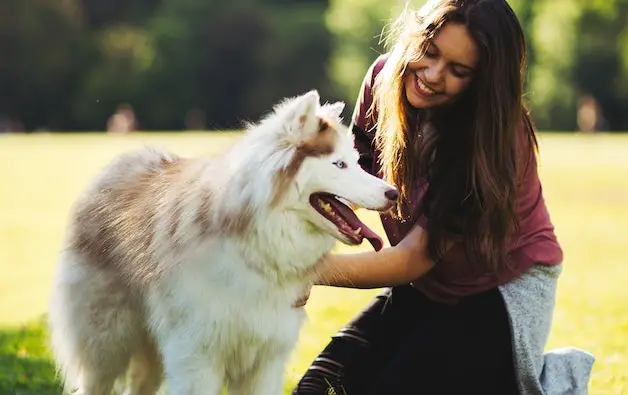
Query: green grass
[[25, 366], [586, 188]]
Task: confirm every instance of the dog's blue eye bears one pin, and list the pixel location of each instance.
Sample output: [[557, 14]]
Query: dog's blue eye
[[341, 164]]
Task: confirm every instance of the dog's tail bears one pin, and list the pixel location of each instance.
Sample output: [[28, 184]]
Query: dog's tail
[[65, 351], [92, 326]]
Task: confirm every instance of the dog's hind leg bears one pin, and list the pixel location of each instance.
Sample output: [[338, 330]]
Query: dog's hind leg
[[92, 382], [93, 325], [145, 371]]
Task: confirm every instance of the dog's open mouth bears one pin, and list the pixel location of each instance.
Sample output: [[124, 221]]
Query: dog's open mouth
[[345, 219]]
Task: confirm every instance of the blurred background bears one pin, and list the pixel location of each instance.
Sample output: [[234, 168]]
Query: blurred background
[[92, 65], [82, 81]]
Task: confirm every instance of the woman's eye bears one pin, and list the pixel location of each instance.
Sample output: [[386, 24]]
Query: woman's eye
[[430, 54], [430, 51], [460, 74], [340, 164]]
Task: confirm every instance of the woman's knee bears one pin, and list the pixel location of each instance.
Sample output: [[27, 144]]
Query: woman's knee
[[337, 366], [318, 380]]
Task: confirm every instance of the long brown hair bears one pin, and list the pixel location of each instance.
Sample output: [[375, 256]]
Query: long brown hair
[[473, 161]]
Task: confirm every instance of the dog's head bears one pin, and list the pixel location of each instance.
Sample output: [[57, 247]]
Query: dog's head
[[320, 177]]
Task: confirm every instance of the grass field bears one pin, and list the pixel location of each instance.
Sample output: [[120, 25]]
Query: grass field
[[586, 187]]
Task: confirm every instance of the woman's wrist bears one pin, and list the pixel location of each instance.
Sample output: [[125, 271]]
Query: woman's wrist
[[321, 273], [366, 270]]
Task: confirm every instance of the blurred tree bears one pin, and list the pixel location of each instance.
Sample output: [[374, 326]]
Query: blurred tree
[[601, 66], [206, 58], [67, 64], [41, 42], [578, 51], [357, 26], [100, 13], [118, 74], [232, 60], [523, 9], [294, 57], [553, 34]]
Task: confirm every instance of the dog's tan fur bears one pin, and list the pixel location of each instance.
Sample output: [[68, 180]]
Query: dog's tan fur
[[117, 222], [321, 144]]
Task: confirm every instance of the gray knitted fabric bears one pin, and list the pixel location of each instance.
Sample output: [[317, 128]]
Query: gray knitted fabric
[[530, 302]]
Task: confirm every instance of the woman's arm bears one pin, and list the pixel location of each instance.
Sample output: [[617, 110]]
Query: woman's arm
[[391, 266]]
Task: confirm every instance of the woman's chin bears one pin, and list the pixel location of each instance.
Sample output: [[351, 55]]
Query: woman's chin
[[418, 101]]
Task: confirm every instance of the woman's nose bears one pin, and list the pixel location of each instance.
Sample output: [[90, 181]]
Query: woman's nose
[[433, 74]]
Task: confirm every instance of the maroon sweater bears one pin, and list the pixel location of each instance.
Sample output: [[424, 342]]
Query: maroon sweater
[[453, 277]]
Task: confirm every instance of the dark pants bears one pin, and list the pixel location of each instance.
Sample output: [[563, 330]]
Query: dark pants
[[403, 343]]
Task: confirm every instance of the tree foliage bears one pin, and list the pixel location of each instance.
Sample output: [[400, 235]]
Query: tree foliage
[[67, 64]]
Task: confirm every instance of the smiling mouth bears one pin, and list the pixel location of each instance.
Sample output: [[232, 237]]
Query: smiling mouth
[[345, 220], [423, 88]]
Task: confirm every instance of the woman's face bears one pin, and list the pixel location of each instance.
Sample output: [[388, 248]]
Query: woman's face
[[445, 71]]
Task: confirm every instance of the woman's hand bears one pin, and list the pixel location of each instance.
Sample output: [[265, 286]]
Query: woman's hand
[[391, 266], [401, 264]]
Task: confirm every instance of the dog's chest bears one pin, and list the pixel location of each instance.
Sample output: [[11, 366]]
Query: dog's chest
[[228, 312], [240, 317], [245, 337], [257, 314]]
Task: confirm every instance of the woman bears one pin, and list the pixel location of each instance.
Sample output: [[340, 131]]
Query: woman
[[474, 260]]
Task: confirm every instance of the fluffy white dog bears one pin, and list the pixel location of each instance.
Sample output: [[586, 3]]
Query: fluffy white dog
[[187, 268]]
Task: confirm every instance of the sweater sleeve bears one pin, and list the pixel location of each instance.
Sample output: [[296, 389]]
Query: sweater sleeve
[[363, 118]]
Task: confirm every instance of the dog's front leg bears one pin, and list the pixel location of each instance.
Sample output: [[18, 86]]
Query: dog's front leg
[[266, 380], [192, 380], [188, 369]]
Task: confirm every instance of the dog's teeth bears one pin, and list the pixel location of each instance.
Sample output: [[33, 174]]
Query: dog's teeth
[[357, 231], [325, 206]]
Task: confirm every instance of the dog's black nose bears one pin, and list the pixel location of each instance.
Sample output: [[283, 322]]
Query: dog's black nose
[[392, 194]]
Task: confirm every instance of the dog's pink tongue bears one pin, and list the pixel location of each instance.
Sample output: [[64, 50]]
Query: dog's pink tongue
[[373, 238]]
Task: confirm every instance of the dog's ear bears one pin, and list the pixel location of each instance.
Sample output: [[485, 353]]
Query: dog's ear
[[307, 103], [304, 117], [334, 110]]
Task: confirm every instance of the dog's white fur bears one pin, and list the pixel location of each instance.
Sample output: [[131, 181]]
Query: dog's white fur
[[188, 268]]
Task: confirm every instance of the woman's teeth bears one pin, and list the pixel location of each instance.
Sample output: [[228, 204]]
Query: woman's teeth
[[424, 88]]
